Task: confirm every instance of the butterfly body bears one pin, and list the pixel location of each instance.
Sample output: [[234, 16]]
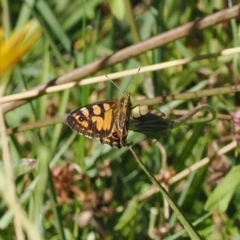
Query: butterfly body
[[107, 121]]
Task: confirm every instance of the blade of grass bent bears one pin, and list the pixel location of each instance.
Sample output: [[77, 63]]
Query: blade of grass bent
[[187, 225]]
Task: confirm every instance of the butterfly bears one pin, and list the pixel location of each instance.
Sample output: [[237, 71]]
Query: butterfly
[[107, 121]]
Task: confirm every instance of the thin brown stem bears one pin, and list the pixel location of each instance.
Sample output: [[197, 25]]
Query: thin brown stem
[[36, 124], [189, 95]]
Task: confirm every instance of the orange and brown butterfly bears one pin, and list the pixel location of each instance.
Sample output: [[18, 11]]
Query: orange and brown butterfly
[[107, 121]]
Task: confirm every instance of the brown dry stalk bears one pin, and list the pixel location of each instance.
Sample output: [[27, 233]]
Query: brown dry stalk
[[9, 174], [133, 51]]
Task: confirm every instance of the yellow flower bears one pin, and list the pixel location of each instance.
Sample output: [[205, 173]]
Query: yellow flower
[[17, 46]]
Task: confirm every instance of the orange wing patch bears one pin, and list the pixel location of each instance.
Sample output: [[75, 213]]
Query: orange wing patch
[[97, 110], [107, 119], [99, 122]]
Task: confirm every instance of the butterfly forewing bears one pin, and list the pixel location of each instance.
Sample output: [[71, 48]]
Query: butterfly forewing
[[107, 121], [92, 120]]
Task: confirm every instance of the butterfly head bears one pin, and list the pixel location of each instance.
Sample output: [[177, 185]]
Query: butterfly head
[[125, 100]]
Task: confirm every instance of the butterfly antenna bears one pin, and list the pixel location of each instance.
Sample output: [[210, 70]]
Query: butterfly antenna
[[134, 77], [112, 82]]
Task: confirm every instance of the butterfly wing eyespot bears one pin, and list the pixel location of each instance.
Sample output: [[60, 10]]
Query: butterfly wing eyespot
[[81, 119], [115, 135], [107, 121]]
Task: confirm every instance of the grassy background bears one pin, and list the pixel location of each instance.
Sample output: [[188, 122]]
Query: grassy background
[[91, 190]]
